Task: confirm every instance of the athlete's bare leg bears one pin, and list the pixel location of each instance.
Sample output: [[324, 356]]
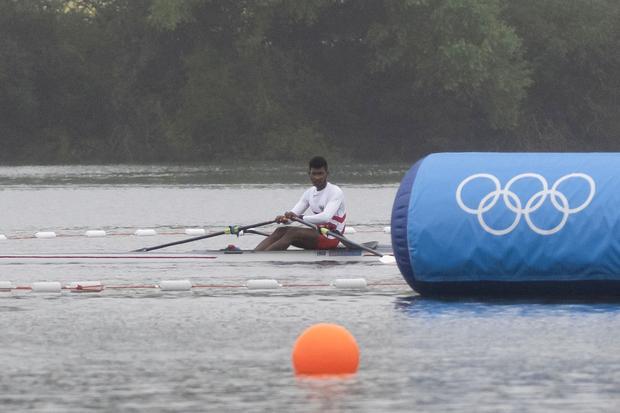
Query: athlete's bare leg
[[284, 237], [305, 238], [275, 236]]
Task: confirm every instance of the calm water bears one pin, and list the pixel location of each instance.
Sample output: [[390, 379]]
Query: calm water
[[229, 349]]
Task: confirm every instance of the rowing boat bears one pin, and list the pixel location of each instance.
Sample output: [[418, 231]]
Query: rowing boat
[[337, 255]]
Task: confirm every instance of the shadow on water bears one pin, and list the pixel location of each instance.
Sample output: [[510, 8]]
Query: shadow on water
[[435, 307], [8, 308]]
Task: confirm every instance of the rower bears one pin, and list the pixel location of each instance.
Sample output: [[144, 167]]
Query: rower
[[326, 203]]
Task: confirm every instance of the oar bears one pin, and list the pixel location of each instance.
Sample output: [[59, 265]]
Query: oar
[[233, 229], [252, 231], [384, 258]]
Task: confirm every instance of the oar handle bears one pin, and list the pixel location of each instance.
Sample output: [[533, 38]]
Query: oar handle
[[229, 230], [336, 235]]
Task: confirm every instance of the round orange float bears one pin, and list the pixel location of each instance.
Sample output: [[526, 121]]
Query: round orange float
[[325, 349]]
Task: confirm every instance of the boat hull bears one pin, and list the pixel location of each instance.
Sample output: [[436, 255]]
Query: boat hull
[[339, 255]]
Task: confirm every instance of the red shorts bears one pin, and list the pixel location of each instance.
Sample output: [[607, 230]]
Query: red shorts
[[324, 243]]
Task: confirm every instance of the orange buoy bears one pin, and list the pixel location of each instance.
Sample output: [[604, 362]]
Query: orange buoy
[[325, 349]]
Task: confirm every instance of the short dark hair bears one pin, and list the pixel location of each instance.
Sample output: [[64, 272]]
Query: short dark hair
[[318, 162]]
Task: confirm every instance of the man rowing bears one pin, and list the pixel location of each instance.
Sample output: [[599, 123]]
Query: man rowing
[[326, 203]]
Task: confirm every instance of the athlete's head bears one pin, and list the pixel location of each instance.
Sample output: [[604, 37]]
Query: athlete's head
[[318, 162], [317, 169]]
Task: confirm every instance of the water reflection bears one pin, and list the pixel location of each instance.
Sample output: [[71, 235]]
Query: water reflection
[[429, 307], [329, 393]]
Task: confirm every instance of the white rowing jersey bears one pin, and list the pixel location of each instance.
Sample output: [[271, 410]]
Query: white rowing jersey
[[327, 206]]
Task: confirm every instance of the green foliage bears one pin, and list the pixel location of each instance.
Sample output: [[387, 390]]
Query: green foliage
[[455, 53], [573, 48], [168, 14], [168, 80]]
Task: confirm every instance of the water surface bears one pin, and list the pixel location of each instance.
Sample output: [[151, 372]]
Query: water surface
[[228, 348]]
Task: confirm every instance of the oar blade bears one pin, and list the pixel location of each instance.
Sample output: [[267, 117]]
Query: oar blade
[[387, 259]]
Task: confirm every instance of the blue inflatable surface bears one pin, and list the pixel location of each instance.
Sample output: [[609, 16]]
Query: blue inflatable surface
[[510, 224]]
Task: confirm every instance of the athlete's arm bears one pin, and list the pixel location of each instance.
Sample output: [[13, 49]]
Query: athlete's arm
[[301, 205], [330, 210], [297, 210]]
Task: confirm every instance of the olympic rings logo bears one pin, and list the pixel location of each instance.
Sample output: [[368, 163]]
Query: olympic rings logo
[[513, 203]]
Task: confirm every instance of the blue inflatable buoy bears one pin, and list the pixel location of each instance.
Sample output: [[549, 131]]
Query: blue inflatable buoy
[[505, 224]]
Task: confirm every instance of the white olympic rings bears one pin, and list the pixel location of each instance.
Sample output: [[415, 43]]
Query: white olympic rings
[[513, 203]]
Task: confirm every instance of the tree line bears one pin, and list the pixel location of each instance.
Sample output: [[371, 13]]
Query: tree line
[[211, 80]]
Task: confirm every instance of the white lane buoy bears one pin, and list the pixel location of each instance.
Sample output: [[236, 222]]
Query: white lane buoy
[[195, 231], [145, 232], [387, 230], [388, 259], [45, 234], [262, 284], [46, 287], [349, 230], [175, 285], [2, 237], [6, 286], [95, 233], [350, 283]]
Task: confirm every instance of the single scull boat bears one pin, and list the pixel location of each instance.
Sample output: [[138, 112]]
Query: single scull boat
[[338, 255]]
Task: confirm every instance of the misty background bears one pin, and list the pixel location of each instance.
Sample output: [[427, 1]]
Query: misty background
[[141, 81]]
